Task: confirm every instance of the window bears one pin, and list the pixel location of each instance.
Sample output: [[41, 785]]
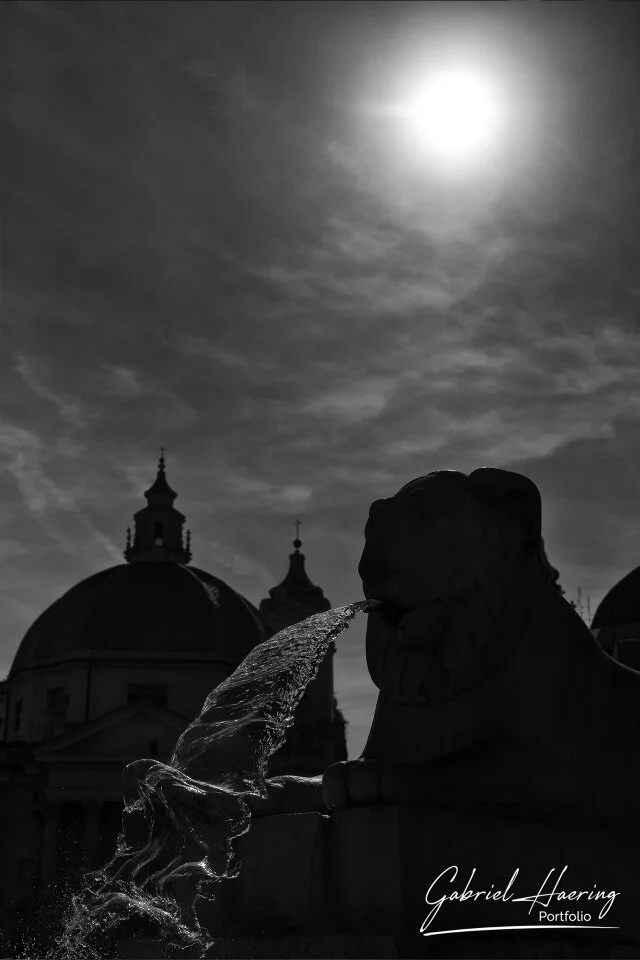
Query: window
[[55, 710], [158, 534], [17, 714], [155, 692], [56, 703]]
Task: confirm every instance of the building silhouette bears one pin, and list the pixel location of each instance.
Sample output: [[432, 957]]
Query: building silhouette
[[114, 671], [616, 622], [317, 738]]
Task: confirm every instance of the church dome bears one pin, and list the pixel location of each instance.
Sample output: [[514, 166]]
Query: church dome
[[621, 605], [145, 608], [154, 605]]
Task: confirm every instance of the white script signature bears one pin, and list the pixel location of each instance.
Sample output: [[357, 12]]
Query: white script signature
[[546, 893]]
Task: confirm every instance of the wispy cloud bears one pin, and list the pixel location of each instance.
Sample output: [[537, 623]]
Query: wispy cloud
[[354, 402], [122, 381], [361, 242], [23, 453], [501, 436], [18, 548], [70, 411], [247, 362], [247, 491], [217, 554]]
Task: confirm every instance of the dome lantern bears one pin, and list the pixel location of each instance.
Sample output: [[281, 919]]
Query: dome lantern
[[296, 595], [158, 526]]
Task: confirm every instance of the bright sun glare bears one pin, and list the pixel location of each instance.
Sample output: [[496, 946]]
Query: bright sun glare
[[457, 115]]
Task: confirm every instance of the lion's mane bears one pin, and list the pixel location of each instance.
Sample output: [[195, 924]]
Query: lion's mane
[[434, 649]]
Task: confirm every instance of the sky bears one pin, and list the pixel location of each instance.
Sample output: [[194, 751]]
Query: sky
[[217, 236]]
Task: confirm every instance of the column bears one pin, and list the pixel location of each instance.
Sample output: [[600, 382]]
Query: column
[[52, 815]]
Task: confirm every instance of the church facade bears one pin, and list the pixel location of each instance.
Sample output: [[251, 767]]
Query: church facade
[[114, 671]]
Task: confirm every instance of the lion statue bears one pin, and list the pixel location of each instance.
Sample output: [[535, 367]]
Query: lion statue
[[493, 692]]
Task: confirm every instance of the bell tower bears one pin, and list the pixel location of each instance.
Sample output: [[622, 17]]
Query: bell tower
[[296, 597], [158, 526], [317, 737]]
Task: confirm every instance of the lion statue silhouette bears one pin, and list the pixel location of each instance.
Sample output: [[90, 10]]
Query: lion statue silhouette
[[492, 691]]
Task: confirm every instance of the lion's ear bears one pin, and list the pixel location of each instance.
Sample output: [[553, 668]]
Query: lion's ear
[[516, 501]]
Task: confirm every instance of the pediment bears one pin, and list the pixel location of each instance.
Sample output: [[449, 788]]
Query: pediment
[[125, 732]]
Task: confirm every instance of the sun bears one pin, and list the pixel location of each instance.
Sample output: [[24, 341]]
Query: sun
[[458, 115]]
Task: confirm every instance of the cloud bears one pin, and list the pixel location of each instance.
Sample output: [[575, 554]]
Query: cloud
[[361, 242], [375, 294], [352, 474], [247, 363], [216, 485], [415, 445], [23, 453], [502, 435], [69, 448], [21, 449], [152, 416], [17, 548], [216, 553], [70, 411], [362, 400], [122, 381], [246, 491]]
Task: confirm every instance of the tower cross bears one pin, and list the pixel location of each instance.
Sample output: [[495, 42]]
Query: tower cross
[[298, 525]]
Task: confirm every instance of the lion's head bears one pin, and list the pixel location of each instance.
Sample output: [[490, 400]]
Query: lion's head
[[450, 553]]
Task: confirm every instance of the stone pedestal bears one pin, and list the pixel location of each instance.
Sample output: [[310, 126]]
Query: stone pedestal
[[358, 880]]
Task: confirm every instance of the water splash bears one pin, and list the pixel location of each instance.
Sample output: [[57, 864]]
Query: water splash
[[180, 818]]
